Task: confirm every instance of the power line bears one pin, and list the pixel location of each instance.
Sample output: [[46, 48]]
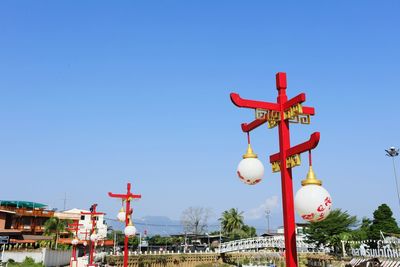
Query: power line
[[261, 228]]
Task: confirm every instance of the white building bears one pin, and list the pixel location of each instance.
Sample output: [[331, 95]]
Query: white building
[[86, 223]]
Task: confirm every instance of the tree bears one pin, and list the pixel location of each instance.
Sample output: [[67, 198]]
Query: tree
[[231, 220], [249, 230], [234, 227], [383, 221], [54, 226], [362, 232], [194, 220], [329, 231]]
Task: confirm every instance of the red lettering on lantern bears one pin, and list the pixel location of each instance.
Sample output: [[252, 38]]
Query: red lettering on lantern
[[320, 208], [308, 216], [328, 201]]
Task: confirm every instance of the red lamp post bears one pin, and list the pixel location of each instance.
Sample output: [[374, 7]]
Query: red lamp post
[[281, 114], [128, 211], [74, 227], [93, 213]]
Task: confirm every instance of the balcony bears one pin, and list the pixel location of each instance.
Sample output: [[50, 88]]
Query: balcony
[[29, 212]]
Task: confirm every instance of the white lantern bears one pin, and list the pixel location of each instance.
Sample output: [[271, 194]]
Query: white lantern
[[85, 243], [312, 202], [121, 215], [250, 169], [130, 230], [74, 241], [93, 237]]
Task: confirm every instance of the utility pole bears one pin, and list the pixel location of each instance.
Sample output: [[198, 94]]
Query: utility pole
[[65, 200], [394, 152], [267, 215]]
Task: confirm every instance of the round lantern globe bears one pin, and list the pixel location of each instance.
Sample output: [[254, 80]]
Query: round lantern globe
[[93, 237], [74, 241], [121, 216], [250, 171], [130, 230], [313, 203], [85, 243]]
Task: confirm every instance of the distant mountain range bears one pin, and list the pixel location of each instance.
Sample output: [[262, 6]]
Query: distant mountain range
[[162, 225]]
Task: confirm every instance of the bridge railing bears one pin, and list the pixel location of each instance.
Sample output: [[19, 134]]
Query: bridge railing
[[261, 242]]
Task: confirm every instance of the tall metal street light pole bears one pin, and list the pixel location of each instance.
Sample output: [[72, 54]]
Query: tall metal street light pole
[[268, 214], [313, 202], [394, 152], [125, 216]]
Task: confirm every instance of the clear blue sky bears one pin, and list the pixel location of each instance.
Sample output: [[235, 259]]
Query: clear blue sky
[[97, 93]]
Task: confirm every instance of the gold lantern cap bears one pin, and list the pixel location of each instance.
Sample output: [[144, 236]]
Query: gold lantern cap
[[311, 178], [249, 153]]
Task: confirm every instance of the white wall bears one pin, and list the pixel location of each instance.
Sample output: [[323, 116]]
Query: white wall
[[47, 256], [57, 257]]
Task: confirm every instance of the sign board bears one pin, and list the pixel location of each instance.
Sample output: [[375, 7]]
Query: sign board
[[4, 240]]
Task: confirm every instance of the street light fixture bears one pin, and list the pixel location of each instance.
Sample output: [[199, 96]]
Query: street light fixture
[[250, 169], [121, 214], [130, 229], [280, 114], [312, 202], [394, 152]]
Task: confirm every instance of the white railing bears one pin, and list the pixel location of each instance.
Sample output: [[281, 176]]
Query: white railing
[[261, 242]]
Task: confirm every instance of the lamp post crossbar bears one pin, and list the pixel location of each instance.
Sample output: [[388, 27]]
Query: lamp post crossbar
[[280, 114]]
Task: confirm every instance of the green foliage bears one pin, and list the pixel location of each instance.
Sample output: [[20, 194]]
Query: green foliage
[[249, 230], [231, 220], [234, 227], [54, 226], [28, 262], [383, 221], [330, 231], [119, 236], [362, 232]]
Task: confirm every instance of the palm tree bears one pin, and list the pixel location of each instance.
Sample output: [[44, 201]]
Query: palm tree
[[54, 226], [231, 220]]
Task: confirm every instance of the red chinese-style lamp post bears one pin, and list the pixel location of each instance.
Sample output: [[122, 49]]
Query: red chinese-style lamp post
[[250, 170], [129, 228], [74, 227], [93, 213]]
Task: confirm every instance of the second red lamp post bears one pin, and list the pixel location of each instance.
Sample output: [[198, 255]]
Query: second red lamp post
[[125, 216]]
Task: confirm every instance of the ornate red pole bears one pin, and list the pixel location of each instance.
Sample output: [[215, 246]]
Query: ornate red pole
[[74, 227], [286, 177], [128, 211], [281, 114], [92, 214], [127, 215]]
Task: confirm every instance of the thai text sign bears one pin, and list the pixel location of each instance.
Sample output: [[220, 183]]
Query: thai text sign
[[383, 252]]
